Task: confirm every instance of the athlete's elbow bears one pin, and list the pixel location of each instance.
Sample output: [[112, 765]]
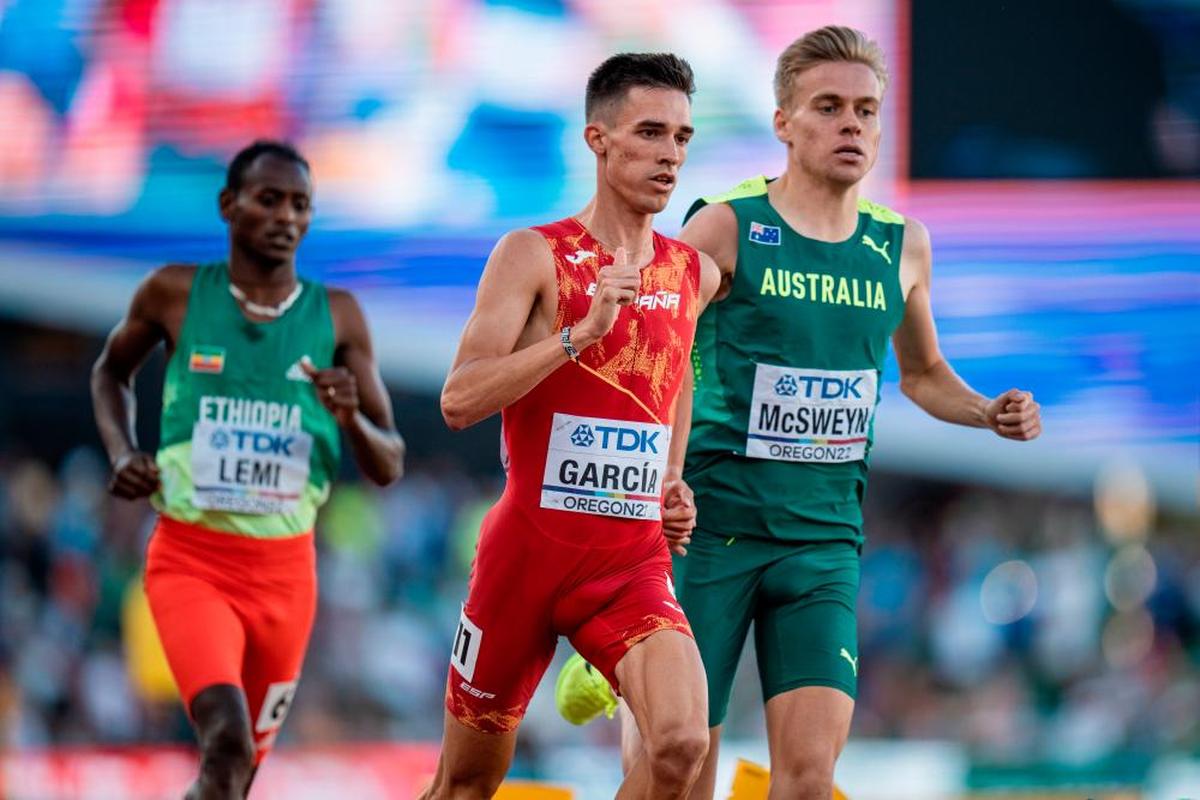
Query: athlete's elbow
[[388, 473], [455, 413]]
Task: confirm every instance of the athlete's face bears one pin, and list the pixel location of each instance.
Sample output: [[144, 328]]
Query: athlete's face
[[270, 214], [641, 142], [831, 126]]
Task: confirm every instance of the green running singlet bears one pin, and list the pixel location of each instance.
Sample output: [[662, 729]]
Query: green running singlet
[[787, 371], [246, 446]]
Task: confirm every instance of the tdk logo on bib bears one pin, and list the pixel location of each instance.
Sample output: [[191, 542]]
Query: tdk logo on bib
[[786, 386], [622, 440], [278, 444], [583, 436], [819, 387]]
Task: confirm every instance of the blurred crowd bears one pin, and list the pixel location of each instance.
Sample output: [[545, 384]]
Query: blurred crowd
[[1026, 626]]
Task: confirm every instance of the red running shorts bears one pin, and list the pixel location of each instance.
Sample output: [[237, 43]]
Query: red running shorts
[[232, 609], [526, 590]]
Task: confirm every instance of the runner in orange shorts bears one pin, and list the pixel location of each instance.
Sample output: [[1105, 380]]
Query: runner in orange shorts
[[263, 370]]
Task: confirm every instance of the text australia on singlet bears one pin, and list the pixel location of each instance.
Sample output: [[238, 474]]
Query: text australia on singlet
[[609, 467], [249, 456]]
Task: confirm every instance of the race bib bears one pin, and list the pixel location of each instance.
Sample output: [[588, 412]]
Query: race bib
[[248, 469], [609, 467], [813, 415]]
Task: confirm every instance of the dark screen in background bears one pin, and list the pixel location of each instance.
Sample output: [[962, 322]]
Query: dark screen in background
[[1061, 89]]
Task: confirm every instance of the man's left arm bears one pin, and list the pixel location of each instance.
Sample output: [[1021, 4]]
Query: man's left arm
[[925, 376], [353, 391]]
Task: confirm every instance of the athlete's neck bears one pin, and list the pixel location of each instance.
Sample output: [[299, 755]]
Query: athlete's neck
[[265, 282], [614, 225], [815, 208]]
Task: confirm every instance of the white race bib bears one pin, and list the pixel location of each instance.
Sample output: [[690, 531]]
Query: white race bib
[[248, 469], [814, 415], [610, 467]]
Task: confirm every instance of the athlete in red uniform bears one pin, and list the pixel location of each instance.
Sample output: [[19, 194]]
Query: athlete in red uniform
[[584, 348]]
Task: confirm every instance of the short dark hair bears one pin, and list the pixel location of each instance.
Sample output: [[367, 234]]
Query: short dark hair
[[617, 75], [245, 157]]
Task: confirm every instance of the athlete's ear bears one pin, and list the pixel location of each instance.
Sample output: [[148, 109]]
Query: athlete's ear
[[225, 202], [782, 125], [596, 137]]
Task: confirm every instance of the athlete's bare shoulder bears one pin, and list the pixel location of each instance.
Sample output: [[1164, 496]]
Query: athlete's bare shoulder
[[529, 240], [517, 295], [916, 237], [162, 297], [170, 282], [713, 230], [916, 259], [349, 322], [522, 263]]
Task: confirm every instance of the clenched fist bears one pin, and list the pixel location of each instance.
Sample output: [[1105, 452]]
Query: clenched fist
[[135, 474], [1014, 415], [336, 387], [616, 285]]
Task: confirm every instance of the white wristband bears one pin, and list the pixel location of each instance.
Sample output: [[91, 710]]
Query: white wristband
[[565, 338]]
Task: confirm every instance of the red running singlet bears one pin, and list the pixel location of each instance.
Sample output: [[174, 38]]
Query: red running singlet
[[575, 547]]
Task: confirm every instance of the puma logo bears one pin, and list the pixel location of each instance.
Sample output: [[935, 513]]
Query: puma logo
[[869, 242], [853, 661], [579, 256]]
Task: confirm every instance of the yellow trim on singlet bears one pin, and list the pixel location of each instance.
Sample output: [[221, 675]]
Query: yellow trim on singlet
[[623, 390], [751, 187], [879, 213]]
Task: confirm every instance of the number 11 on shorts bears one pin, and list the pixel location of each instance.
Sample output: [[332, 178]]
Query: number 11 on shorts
[[465, 652]]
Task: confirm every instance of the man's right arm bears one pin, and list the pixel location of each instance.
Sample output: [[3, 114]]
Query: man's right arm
[[489, 372], [113, 402]]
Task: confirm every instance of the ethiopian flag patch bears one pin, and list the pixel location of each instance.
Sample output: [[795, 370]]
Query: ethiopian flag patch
[[207, 359]]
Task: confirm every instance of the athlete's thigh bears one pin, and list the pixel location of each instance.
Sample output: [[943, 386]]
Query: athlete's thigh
[[662, 680], [805, 624], [202, 636], [505, 639], [627, 598], [716, 583]]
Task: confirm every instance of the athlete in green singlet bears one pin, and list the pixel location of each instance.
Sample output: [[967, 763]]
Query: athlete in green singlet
[[788, 358], [265, 372]]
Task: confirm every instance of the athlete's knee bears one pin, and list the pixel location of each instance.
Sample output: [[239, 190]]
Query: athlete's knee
[[676, 752], [804, 776]]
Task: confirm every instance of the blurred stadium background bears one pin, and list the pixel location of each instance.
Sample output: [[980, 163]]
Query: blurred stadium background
[[1030, 615]]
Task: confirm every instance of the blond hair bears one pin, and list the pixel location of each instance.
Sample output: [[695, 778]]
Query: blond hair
[[831, 43]]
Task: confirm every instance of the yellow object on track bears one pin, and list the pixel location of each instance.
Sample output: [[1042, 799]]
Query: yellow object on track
[[751, 782]]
